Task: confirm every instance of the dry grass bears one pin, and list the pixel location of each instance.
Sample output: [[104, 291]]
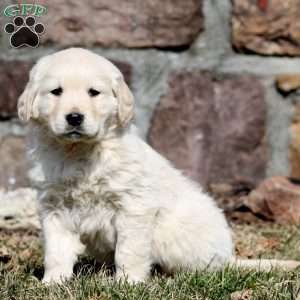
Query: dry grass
[[267, 240]]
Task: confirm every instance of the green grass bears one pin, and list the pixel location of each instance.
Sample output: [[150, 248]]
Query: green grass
[[218, 285], [21, 270]]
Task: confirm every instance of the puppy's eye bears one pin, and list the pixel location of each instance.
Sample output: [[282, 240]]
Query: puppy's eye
[[93, 92], [57, 92]]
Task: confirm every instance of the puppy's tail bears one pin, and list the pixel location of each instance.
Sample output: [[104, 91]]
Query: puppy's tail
[[264, 264]]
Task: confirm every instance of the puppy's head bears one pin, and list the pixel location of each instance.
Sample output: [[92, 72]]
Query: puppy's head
[[77, 95]]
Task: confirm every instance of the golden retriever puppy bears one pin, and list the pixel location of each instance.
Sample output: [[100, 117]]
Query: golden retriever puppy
[[107, 192]]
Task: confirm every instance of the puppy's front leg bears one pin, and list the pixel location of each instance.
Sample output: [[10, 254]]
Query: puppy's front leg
[[133, 250], [61, 246]]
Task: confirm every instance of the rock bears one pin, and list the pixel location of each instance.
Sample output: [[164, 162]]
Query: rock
[[118, 23], [294, 147], [270, 29], [13, 76], [18, 209], [37, 176], [242, 295], [287, 83], [125, 68], [213, 128], [14, 163], [276, 199]]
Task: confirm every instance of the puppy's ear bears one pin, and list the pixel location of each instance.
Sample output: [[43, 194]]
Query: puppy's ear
[[125, 101], [27, 107], [26, 103]]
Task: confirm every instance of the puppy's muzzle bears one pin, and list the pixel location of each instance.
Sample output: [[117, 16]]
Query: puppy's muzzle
[[74, 119]]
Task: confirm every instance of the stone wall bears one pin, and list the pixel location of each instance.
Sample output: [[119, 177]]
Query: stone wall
[[216, 82]]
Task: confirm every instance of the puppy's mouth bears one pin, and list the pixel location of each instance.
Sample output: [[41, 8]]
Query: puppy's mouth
[[74, 134]]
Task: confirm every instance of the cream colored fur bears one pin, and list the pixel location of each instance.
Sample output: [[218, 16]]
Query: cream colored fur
[[107, 192]]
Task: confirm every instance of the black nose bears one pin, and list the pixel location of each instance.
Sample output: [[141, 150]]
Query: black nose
[[74, 119]]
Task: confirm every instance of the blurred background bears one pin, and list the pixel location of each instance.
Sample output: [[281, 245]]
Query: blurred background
[[216, 82]]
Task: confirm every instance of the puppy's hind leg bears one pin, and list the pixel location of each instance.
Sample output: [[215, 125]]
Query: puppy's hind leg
[[62, 248]]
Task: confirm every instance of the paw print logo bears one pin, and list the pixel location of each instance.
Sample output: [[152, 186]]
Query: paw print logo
[[24, 32]]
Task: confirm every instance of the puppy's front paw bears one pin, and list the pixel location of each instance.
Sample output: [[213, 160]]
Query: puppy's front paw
[[55, 276]]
